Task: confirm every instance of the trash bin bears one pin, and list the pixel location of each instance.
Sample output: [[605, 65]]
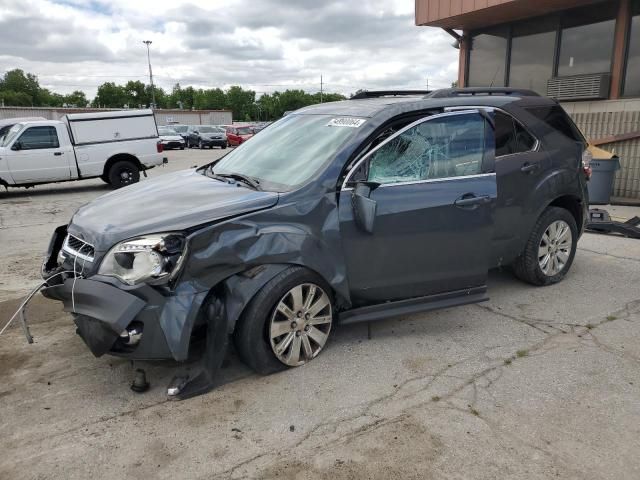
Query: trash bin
[[601, 184]]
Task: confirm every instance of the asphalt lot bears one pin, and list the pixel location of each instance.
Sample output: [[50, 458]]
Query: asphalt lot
[[538, 383]]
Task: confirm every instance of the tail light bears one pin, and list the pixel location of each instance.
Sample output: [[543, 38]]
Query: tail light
[[586, 163], [160, 147]]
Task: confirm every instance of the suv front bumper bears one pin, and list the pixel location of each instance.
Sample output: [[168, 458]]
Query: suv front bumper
[[103, 312]]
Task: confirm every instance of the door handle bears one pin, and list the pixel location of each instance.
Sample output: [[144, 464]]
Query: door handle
[[57, 154], [471, 200], [530, 167]]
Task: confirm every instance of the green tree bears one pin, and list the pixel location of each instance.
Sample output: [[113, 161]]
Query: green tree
[[19, 82], [110, 95], [240, 102], [135, 94], [211, 99], [74, 99]]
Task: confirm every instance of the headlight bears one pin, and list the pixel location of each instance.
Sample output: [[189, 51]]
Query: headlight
[[153, 259]]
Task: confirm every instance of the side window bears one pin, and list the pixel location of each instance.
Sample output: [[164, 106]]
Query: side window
[[556, 118], [35, 138], [505, 135], [525, 141], [511, 137], [442, 147]]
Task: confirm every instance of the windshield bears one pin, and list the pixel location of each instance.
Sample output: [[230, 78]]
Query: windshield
[[288, 153], [166, 131], [205, 129], [179, 128], [245, 131], [13, 132]]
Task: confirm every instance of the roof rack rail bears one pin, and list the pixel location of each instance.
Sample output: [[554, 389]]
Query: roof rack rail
[[389, 93], [479, 91]]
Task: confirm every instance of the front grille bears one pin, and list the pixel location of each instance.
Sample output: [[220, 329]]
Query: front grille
[[78, 248]]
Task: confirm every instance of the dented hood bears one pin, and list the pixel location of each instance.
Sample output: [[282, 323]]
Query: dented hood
[[168, 203]]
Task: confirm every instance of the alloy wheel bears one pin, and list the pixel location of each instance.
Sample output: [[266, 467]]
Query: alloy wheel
[[555, 248], [300, 324]]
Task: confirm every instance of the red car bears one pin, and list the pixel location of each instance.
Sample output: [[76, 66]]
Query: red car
[[238, 134]]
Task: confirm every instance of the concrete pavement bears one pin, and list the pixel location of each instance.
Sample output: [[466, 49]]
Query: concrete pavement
[[537, 383]]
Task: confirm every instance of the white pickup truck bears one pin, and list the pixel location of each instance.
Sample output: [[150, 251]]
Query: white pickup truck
[[114, 146]]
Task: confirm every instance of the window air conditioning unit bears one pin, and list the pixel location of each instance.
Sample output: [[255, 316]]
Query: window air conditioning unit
[[580, 87]]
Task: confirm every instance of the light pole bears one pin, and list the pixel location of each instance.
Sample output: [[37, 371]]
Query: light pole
[[153, 90]]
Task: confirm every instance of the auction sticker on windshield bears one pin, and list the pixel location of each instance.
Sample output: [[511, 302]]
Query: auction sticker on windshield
[[346, 122]]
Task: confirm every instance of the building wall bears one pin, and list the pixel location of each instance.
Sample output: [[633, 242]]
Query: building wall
[[163, 117], [614, 117]]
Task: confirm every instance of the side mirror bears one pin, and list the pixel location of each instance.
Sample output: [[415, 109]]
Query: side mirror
[[17, 146], [364, 208]]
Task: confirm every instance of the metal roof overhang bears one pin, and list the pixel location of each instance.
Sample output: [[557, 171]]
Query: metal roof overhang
[[475, 14]]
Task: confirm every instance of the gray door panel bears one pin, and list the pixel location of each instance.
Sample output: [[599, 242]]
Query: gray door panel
[[422, 242]]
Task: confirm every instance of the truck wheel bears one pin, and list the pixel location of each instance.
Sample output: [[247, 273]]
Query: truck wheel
[[123, 173], [287, 323], [223, 146], [550, 250]]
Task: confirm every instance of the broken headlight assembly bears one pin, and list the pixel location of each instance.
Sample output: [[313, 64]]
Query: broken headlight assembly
[[154, 259]]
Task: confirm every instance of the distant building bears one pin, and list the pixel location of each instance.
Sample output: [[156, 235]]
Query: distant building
[[584, 53]]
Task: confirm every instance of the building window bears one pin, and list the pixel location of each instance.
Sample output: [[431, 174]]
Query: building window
[[632, 77], [532, 53], [487, 58], [586, 42]]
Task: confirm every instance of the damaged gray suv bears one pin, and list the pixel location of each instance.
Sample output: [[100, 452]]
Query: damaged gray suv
[[387, 204]]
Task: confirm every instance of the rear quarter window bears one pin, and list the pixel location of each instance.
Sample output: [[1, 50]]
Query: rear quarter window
[[556, 118]]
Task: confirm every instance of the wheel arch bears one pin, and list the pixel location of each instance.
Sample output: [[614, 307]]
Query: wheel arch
[[573, 204], [239, 289], [119, 157]]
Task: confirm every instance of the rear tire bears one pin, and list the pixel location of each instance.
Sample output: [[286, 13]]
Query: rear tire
[[550, 250], [223, 146], [123, 173], [253, 334]]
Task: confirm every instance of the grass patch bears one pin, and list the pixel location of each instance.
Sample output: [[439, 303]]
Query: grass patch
[[435, 398], [590, 326], [611, 318], [508, 361], [474, 411], [522, 353]]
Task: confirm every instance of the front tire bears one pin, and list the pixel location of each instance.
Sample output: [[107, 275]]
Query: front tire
[[123, 173], [287, 323], [550, 250]]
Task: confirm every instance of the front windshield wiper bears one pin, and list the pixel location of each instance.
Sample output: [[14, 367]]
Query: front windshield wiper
[[239, 177]]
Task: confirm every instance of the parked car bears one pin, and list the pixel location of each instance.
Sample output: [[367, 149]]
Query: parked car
[[183, 130], [238, 135], [343, 212], [170, 138], [203, 136], [114, 146]]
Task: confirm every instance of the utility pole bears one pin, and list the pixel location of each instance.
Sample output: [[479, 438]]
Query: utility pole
[[321, 85], [153, 90]]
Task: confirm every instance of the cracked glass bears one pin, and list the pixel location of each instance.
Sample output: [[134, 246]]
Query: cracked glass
[[442, 147]]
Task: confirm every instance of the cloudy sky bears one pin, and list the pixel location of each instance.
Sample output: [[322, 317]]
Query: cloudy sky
[[265, 45]]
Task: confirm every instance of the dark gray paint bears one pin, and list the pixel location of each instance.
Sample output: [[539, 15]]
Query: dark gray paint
[[238, 239]]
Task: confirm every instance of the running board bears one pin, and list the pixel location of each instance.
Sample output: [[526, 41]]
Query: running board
[[413, 305]]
